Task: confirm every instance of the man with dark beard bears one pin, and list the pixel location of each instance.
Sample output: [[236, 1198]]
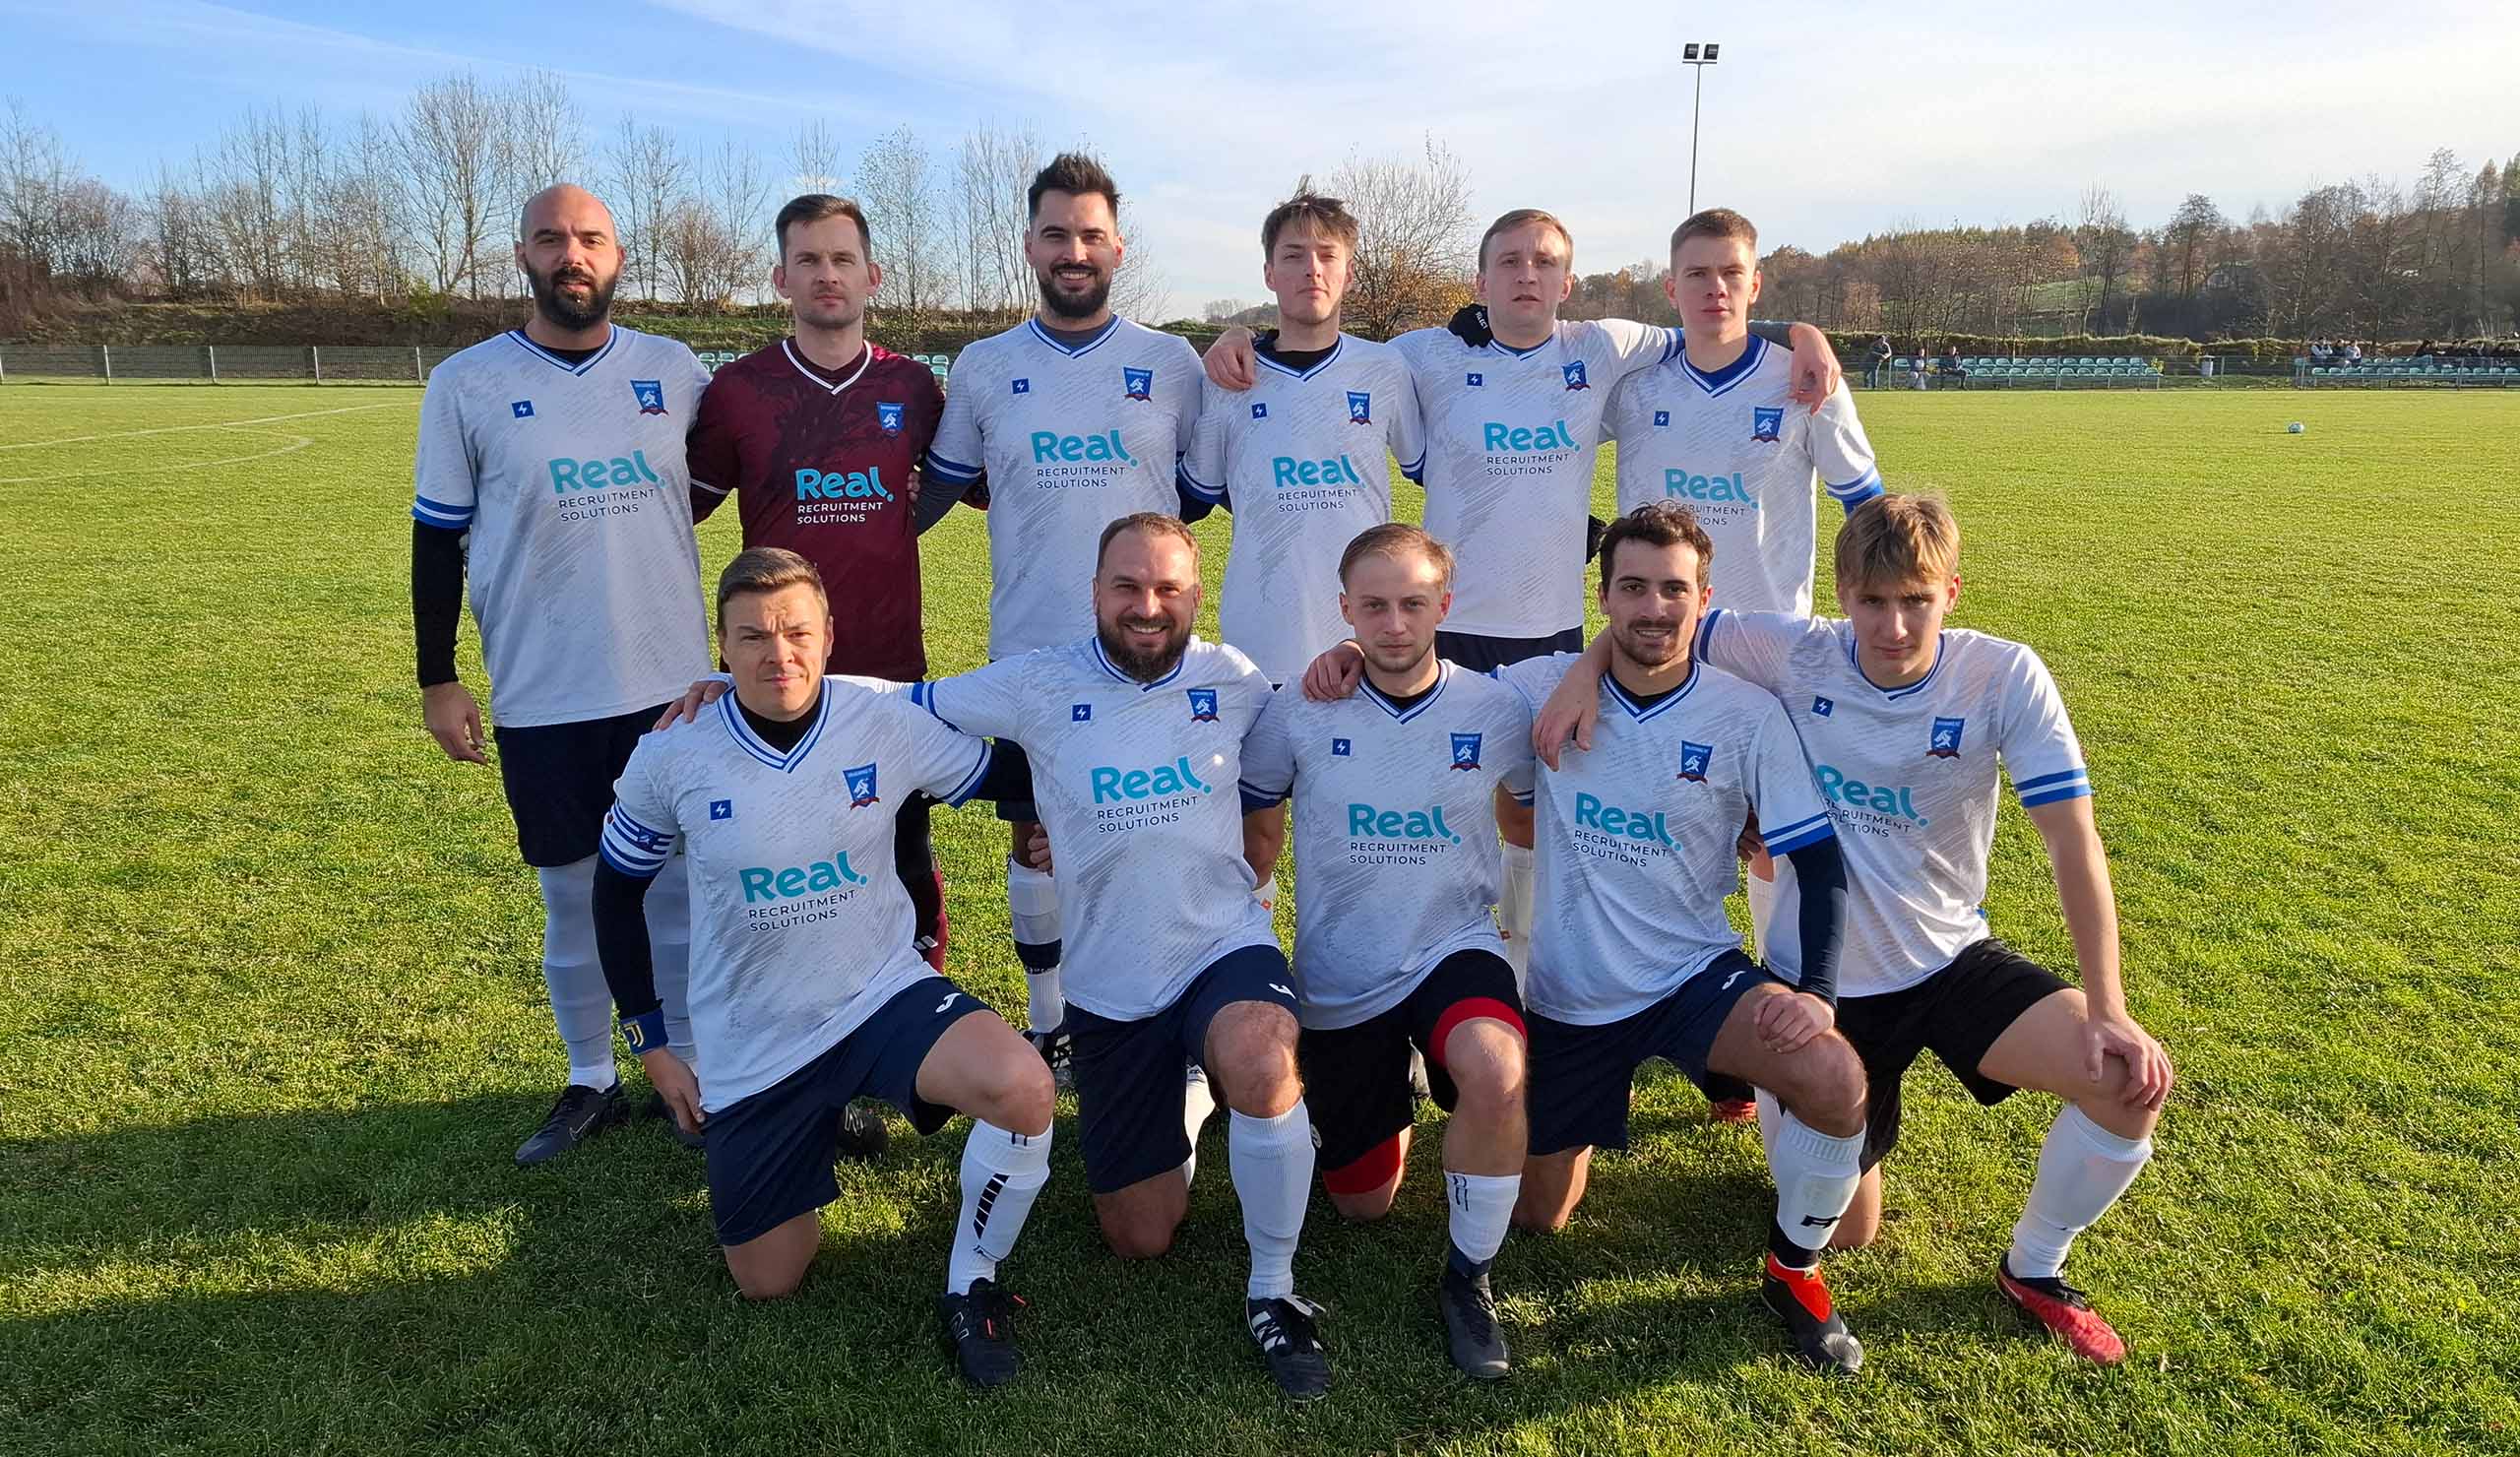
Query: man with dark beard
[[1077, 418], [1135, 738], [551, 470]]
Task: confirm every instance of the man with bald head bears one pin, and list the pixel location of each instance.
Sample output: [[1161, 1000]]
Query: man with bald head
[[550, 474]]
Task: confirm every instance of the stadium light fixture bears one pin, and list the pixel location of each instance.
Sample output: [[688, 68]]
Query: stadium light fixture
[[1697, 56]]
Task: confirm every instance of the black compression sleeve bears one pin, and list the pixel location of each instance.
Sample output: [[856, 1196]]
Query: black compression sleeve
[[1194, 507], [1780, 334], [1821, 879], [437, 599], [1007, 777], [935, 498], [621, 940]]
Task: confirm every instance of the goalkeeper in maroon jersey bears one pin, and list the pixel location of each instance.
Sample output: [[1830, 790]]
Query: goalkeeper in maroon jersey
[[818, 437]]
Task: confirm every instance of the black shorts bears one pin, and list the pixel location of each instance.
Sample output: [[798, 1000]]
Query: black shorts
[[1580, 1075], [1355, 1079], [1957, 1013], [1016, 811], [770, 1153], [1485, 654], [559, 780], [1129, 1074]]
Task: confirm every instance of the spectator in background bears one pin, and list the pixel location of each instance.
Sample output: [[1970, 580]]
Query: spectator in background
[[2319, 352], [1877, 356], [1917, 368], [2352, 354], [1952, 369]]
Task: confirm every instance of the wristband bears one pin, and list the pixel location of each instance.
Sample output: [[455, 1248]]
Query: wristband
[[645, 1033]]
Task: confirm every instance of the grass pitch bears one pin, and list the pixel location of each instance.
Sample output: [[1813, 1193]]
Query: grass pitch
[[271, 1022]]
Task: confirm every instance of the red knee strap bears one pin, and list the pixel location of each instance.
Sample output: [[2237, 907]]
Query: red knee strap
[[1468, 1009], [1379, 1166]]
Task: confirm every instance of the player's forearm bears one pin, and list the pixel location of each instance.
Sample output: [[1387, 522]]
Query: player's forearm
[[934, 501], [1820, 882], [621, 940], [437, 600], [2089, 902]]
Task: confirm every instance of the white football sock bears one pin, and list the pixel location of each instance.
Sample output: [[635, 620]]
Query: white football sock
[[1198, 1104], [1002, 1172], [1033, 914], [1763, 896], [1482, 1204], [1816, 1174], [1514, 911], [1272, 1160], [581, 1002], [2082, 1169]]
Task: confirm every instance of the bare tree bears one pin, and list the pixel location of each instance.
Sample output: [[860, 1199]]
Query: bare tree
[[178, 243], [742, 196], [814, 157], [543, 141], [2102, 237], [454, 163], [249, 205], [1413, 252], [33, 175], [898, 189], [2193, 238], [987, 221], [694, 246], [646, 178]]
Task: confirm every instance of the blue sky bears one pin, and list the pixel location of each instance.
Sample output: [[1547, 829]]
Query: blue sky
[[1824, 121]]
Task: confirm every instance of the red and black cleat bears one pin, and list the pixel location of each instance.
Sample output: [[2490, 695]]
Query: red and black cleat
[[1801, 1298], [2064, 1310], [1732, 1110]]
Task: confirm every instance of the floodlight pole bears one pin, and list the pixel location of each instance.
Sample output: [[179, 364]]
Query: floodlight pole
[[1689, 57]]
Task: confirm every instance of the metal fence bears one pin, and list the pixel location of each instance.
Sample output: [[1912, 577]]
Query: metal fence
[[215, 363]]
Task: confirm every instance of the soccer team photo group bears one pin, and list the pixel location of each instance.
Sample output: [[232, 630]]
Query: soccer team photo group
[[1475, 856]]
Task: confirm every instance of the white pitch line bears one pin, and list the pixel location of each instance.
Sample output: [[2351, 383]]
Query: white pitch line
[[295, 443], [214, 425]]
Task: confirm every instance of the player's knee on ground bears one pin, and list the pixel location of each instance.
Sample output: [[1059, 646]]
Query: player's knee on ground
[[1485, 1060], [1251, 1052], [1861, 1223], [1139, 1224], [1552, 1185], [772, 1265], [1363, 1189]]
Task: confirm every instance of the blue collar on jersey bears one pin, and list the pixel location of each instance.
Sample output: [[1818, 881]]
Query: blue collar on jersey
[[1731, 374], [752, 742], [1087, 348], [1443, 675], [1325, 362], [1640, 712], [1104, 659], [556, 362], [1941, 650], [1502, 347]]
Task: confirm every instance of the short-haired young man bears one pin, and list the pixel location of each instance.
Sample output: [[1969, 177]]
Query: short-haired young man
[[1396, 947], [1908, 724], [818, 437], [550, 476], [806, 991], [1077, 418], [1135, 734]]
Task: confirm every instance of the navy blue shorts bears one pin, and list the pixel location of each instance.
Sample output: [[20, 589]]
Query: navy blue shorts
[[1580, 1075], [1129, 1074], [1480, 654], [559, 778], [770, 1153], [1355, 1079]]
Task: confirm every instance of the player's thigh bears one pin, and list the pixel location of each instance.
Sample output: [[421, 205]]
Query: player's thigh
[[982, 1068], [2043, 1048], [773, 1264]]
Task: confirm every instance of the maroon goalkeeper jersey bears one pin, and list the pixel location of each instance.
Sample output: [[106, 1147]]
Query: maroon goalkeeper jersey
[[823, 464]]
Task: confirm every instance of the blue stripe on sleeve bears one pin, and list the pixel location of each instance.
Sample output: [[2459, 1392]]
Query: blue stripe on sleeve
[[2032, 798], [979, 771], [1783, 843], [949, 469], [2062, 775], [1256, 798]]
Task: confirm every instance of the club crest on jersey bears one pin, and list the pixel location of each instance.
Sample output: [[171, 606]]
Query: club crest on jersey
[[1361, 408], [1766, 423], [1260, 411], [889, 416], [721, 809], [1695, 757], [1339, 747], [1475, 379], [1946, 738], [1661, 419], [1136, 384], [651, 395], [1203, 705], [1574, 373], [521, 409], [1822, 708], [862, 786], [1022, 386], [1465, 751], [1080, 713]]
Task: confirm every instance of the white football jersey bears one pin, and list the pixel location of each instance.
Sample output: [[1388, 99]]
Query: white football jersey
[[1909, 779], [1511, 438], [1395, 831], [799, 929], [1300, 457], [582, 567], [1072, 439], [1636, 836], [1136, 787], [1735, 447]]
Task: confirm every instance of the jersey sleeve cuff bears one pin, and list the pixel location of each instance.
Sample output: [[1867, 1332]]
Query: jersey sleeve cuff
[[2047, 789], [1256, 797], [1786, 839], [1857, 491], [1414, 470], [1183, 477], [440, 514], [952, 471], [1705, 632], [715, 490], [924, 695], [972, 781], [632, 848]]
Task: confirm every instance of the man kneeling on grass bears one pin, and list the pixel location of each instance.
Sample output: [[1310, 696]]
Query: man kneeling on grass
[[805, 989]]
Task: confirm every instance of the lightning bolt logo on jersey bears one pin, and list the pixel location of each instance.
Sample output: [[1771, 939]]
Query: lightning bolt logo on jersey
[[1065, 454]]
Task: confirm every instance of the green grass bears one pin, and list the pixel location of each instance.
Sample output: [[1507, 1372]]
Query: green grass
[[271, 1018]]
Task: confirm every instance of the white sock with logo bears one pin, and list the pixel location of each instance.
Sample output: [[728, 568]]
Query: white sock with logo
[[581, 1002], [1198, 1104], [1483, 1204], [1514, 911], [1033, 914], [2082, 1169], [1272, 1160], [1002, 1174], [1816, 1174]]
